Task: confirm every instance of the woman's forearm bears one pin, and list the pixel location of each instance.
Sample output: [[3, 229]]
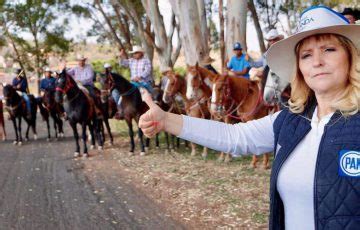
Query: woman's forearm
[[173, 123]]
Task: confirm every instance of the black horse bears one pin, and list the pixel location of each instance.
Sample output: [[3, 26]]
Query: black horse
[[108, 108], [16, 106], [133, 107], [50, 108], [80, 108]]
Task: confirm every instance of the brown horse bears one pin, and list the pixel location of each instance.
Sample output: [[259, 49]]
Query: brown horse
[[237, 98], [196, 102]]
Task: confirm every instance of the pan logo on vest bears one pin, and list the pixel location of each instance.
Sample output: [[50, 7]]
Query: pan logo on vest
[[349, 163]]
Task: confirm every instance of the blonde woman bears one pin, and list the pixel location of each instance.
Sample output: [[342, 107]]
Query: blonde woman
[[315, 180]]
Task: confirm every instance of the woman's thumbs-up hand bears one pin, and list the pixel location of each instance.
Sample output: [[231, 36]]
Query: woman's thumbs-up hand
[[153, 121]]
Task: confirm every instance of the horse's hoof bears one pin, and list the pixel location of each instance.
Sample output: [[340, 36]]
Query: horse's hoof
[[61, 134], [100, 148], [157, 147], [147, 149], [76, 154], [227, 159], [204, 155], [111, 143], [47, 139], [35, 137], [19, 143], [131, 154], [193, 153], [166, 151], [15, 143], [85, 155], [220, 159], [92, 146], [26, 139], [142, 153]]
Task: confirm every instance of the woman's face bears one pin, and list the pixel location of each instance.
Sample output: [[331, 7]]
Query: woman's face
[[324, 64]]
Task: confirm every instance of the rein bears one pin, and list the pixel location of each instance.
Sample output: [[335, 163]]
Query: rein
[[130, 91], [68, 86]]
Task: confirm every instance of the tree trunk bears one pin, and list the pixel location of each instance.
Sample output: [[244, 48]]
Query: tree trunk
[[222, 40], [235, 25], [259, 33], [192, 33]]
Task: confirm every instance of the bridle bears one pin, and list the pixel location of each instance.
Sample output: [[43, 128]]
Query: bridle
[[68, 85]]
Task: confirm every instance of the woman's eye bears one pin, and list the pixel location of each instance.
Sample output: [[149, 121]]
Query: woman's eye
[[330, 49], [304, 56]]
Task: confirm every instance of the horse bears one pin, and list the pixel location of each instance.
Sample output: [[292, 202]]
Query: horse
[[177, 85], [275, 90], [2, 122], [108, 108], [49, 108], [171, 106], [133, 107], [237, 98], [16, 107], [80, 108]]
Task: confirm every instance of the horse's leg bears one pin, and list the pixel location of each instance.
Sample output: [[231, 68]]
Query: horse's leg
[[186, 144], [157, 142], [147, 144], [172, 144], [177, 142], [131, 134], [142, 146], [16, 131], [99, 131], [76, 136], [228, 158], [83, 127], [167, 150], [193, 149], [60, 126], [254, 161], [54, 117], [19, 130], [266, 161], [106, 121], [33, 127], [27, 131], [48, 128], [91, 130], [204, 153]]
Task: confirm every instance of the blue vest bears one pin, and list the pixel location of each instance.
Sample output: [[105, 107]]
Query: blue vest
[[336, 197]]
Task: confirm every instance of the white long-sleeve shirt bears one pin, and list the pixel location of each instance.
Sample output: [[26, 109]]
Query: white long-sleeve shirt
[[296, 177]]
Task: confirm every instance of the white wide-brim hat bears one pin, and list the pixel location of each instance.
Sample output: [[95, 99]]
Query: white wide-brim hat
[[47, 69], [136, 49], [272, 34], [81, 57], [281, 56], [107, 65]]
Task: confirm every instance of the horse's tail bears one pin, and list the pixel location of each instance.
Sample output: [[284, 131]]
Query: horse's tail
[[43, 111]]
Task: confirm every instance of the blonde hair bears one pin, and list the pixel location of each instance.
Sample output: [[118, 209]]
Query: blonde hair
[[349, 101]]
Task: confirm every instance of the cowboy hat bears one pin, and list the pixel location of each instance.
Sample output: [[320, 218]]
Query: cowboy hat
[[207, 61], [107, 65], [47, 69], [164, 69], [136, 49], [314, 20], [80, 57], [272, 34]]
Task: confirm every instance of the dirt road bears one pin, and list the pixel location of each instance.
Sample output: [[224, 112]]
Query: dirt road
[[43, 187]]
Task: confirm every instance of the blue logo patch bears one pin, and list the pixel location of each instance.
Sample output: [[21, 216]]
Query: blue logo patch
[[349, 163]]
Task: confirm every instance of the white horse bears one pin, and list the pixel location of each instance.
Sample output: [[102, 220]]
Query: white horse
[[273, 88]]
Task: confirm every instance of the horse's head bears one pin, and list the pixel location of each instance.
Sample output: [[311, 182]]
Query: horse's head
[[9, 93], [272, 89], [61, 86], [157, 94], [172, 87], [193, 81], [48, 98], [218, 95]]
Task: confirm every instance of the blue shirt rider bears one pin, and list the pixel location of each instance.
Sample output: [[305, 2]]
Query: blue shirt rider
[[48, 83], [20, 84], [238, 64]]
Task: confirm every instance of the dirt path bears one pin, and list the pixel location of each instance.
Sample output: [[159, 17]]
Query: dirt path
[[43, 187]]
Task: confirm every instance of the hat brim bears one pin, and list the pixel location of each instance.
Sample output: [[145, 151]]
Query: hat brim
[[281, 55], [136, 51], [81, 59]]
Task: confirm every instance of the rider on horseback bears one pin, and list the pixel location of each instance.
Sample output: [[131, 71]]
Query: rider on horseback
[[20, 84], [48, 83]]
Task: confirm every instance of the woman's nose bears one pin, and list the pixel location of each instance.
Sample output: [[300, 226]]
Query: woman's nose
[[318, 58]]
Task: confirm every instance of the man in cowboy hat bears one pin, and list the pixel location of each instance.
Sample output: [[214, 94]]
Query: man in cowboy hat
[[84, 74], [238, 65], [206, 63], [20, 84], [48, 83], [140, 68], [351, 15]]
